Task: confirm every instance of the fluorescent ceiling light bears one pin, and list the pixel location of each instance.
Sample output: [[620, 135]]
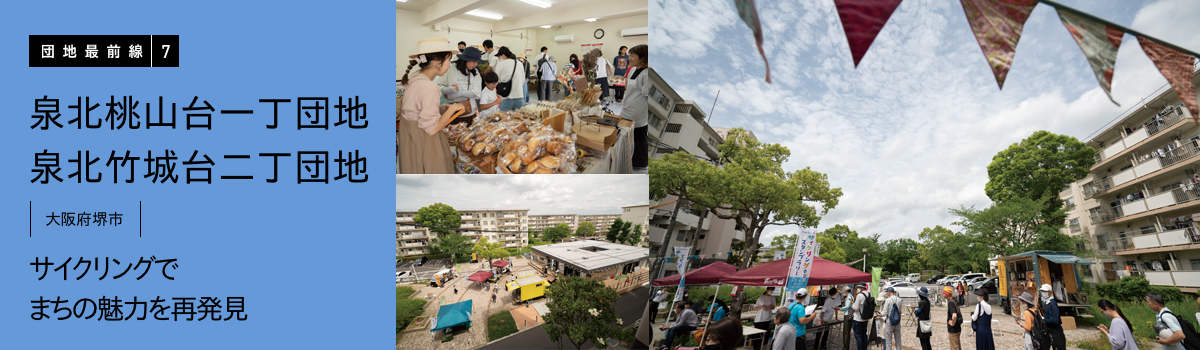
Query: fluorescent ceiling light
[[545, 26], [484, 14], [590, 19], [538, 3]]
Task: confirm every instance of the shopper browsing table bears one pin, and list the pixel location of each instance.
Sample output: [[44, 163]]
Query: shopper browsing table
[[509, 70], [423, 147], [763, 306], [549, 71], [464, 84]]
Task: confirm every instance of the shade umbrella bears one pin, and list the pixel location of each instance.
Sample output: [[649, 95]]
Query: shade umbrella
[[481, 276], [452, 315], [704, 276], [500, 263], [774, 274]]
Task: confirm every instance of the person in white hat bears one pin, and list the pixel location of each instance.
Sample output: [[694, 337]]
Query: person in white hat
[[798, 319], [1050, 314], [891, 333], [422, 146]]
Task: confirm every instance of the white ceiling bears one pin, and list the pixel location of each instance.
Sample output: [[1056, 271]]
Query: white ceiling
[[513, 9]]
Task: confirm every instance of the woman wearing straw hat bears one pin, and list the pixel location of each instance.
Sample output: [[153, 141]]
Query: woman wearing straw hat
[[464, 84], [1031, 313], [423, 147]]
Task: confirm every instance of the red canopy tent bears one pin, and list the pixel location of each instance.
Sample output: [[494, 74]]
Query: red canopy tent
[[708, 275], [774, 274], [481, 276], [500, 263]]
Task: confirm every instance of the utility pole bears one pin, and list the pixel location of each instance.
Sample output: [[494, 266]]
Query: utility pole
[[864, 259]]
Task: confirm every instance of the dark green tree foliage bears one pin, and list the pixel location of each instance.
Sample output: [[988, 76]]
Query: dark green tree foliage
[[582, 309], [445, 219], [557, 233]]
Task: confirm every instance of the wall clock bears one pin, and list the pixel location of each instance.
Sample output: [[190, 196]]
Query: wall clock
[[599, 33]]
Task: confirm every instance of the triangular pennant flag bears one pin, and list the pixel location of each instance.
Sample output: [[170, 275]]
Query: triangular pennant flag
[[862, 20], [1099, 43], [1177, 68], [749, 14], [997, 25]]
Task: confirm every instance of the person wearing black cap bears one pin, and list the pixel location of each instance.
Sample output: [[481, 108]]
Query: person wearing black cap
[[924, 324], [981, 321], [463, 83]]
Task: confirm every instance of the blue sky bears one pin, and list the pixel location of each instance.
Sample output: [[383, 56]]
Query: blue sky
[[910, 132]]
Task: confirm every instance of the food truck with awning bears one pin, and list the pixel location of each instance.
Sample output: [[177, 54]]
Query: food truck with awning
[[1028, 271]]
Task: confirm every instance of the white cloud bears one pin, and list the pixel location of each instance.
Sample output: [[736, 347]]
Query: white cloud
[[541, 194], [909, 133]]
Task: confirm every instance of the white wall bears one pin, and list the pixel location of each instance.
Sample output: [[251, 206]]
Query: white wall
[[409, 30], [584, 34]]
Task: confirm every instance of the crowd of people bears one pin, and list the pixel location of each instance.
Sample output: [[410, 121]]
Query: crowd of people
[[444, 85], [1039, 316]]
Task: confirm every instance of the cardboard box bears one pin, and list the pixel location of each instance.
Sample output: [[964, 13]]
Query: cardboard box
[[600, 137], [555, 118], [1068, 322]]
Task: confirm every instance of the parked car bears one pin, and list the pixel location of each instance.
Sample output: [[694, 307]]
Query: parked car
[[989, 284], [402, 275], [934, 279], [421, 261], [970, 276], [913, 278], [903, 290], [948, 280]]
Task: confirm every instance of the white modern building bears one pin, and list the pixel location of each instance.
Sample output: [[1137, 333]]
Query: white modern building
[[1139, 204], [600, 221], [508, 226], [638, 215], [590, 258]]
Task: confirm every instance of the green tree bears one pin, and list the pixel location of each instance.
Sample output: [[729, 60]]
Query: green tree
[[617, 231], [635, 236], [582, 310], [556, 233], [586, 229], [785, 242], [1038, 168], [1014, 226], [490, 250], [898, 253], [750, 187], [443, 220], [830, 250], [852, 245]]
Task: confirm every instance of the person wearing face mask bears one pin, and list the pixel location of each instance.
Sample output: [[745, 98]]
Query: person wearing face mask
[[721, 335], [422, 146], [1050, 315], [798, 320], [785, 333]]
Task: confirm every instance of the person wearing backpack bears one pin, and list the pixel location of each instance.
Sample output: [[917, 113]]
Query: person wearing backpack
[[891, 318], [1167, 318], [1121, 334], [1053, 319], [954, 319], [1035, 333], [864, 309], [981, 322], [798, 319]]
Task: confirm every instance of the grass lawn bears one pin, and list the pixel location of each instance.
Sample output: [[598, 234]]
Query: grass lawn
[[407, 309], [1142, 318], [501, 325]]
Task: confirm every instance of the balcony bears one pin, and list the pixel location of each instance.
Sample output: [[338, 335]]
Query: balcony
[[1154, 204], [1150, 241], [1186, 280], [412, 236], [1165, 120]]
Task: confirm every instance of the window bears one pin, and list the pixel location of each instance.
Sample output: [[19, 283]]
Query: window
[[680, 235], [1087, 271], [1195, 264], [673, 127], [1069, 203], [659, 97]]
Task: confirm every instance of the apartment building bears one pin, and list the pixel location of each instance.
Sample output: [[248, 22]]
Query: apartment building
[[600, 221], [1140, 203], [508, 226], [638, 215]]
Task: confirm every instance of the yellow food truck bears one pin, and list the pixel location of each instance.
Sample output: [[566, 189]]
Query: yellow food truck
[[528, 288], [1028, 271]]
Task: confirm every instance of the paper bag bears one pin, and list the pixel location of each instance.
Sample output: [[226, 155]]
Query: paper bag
[[595, 136]]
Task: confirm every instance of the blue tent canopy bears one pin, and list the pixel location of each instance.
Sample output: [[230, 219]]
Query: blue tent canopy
[[452, 315]]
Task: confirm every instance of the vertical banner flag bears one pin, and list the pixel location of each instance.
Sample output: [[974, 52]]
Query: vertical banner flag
[[749, 14], [681, 254], [875, 273], [801, 265], [1099, 43], [997, 25], [1177, 68], [862, 20]]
